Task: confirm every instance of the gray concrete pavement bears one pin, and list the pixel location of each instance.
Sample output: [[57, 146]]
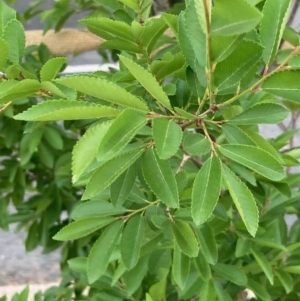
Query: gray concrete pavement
[[19, 267]]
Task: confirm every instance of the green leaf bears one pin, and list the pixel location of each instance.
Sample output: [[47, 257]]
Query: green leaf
[[243, 247], [291, 35], [78, 264], [195, 86], [55, 90], [264, 264], [284, 84], [172, 21], [197, 15], [286, 280], [53, 110], [187, 49], [148, 81], [202, 266], [194, 47], [242, 171], [4, 52], [12, 90], [207, 291], [120, 189], [153, 30], [235, 135], [231, 273], [264, 144], [242, 198], [118, 44], [6, 15], [207, 243], [185, 238], [120, 133], [101, 251], [168, 65], [96, 208], [222, 294], [103, 89], [275, 14], [53, 137], [82, 228], [158, 290], [107, 173], [131, 3], [264, 113], [180, 267], [50, 70], [227, 19], [87, 148], [148, 297], [268, 242], [160, 178], [131, 241], [292, 269], [134, 278], [256, 159], [196, 144], [108, 29], [230, 71], [223, 46], [259, 290], [167, 137], [118, 273], [14, 35], [151, 245], [206, 190], [23, 296]]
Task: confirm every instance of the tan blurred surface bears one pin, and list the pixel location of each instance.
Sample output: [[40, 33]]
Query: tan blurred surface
[[66, 41]]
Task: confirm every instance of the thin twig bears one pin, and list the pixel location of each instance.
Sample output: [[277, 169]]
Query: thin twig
[[185, 158], [5, 106], [284, 151], [260, 81], [206, 4]]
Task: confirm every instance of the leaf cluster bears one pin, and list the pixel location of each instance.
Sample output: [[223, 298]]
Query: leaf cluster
[[181, 197]]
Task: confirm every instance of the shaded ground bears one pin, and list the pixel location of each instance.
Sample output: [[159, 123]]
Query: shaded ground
[[19, 267]]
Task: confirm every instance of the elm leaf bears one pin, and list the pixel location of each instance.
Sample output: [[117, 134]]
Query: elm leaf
[[107, 173], [206, 190], [103, 89], [242, 198], [14, 35], [148, 81], [88, 148], [264, 264], [227, 19], [275, 14], [131, 241], [167, 137], [100, 253], [54, 110], [82, 228], [254, 158], [120, 133], [264, 113], [51, 68], [196, 144], [185, 238], [285, 84], [160, 178], [231, 273]]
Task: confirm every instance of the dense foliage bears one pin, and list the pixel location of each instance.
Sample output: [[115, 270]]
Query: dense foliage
[[170, 191]]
